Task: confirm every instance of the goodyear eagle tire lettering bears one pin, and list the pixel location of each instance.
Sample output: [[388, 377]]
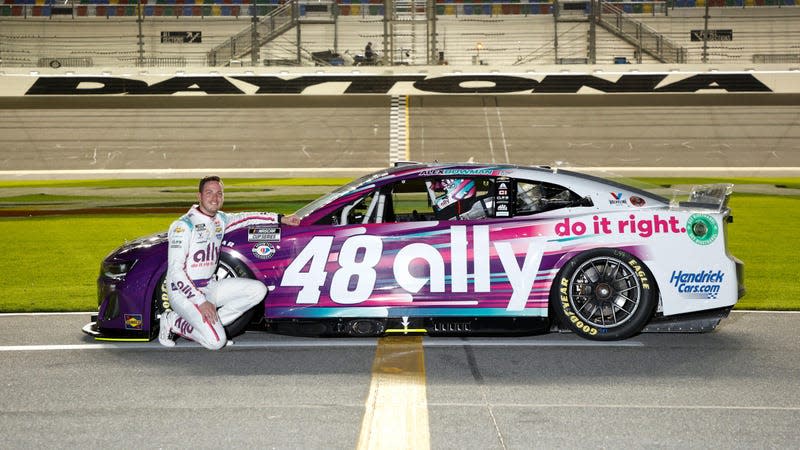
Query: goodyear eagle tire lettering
[[604, 294]]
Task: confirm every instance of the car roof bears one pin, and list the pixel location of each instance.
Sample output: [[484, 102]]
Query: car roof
[[582, 184], [578, 181]]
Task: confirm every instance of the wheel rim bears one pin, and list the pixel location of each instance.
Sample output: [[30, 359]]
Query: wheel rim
[[605, 292], [224, 270]]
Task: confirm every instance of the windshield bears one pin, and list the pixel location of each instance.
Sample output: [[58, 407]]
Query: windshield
[[333, 195]]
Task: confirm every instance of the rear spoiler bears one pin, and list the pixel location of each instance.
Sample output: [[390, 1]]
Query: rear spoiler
[[709, 196]]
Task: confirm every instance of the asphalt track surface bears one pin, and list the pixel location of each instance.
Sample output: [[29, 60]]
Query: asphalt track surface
[[736, 387], [733, 388], [290, 139]]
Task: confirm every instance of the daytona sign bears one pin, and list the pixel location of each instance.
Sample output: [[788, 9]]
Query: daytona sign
[[411, 84]]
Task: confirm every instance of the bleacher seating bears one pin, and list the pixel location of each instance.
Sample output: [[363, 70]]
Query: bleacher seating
[[470, 32], [235, 8]]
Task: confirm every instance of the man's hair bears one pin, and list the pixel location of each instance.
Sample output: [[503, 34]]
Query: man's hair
[[205, 180]]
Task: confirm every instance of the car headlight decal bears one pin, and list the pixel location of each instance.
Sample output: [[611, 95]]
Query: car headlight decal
[[117, 269]]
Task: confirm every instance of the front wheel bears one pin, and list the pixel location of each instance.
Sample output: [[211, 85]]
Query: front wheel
[[604, 294]]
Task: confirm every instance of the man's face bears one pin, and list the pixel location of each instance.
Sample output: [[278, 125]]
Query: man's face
[[211, 197]]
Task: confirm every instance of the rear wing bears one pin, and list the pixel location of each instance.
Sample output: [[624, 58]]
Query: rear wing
[[709, 196]]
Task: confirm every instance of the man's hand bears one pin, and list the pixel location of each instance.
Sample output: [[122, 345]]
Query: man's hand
[[291, 220], [209, 312]]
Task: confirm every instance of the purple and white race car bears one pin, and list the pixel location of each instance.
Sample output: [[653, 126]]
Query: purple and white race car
[[462, 249]]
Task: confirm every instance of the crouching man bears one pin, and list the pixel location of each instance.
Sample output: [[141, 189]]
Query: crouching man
[[201, 305]]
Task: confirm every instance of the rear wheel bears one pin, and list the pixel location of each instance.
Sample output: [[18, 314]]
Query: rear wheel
[[604, 294], [228, 268]]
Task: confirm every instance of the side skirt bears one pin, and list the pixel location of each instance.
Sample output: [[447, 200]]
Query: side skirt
[[697, 322], [431, 326]]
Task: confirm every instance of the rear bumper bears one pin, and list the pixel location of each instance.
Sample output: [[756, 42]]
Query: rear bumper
[[740, 276]]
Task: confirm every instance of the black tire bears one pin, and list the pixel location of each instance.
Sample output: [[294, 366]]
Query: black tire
[[228, 267], [159, 304], [604, 295]]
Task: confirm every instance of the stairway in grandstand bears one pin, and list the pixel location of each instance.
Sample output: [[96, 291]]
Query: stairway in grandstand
[[647, 40], [269, 27], [576, 16], [411, 37]]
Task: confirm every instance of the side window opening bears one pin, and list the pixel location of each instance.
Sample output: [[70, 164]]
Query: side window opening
[[411, 202], [454, 199], [358, 211], [362, 210], [534, 197], [374, 207], [443, 199]]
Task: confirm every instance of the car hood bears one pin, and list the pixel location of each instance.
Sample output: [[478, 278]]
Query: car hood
[[139, 244]]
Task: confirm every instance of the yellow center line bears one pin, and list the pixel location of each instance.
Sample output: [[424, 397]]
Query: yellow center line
[[396, 415]]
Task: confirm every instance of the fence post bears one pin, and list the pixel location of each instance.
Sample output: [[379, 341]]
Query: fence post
[[254, 44]]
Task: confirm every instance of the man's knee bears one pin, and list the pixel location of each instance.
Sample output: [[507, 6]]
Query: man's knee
[[258, 292], [214, 338], [216, 344]]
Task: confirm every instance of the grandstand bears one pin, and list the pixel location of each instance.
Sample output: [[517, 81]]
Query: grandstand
[[202, 33]]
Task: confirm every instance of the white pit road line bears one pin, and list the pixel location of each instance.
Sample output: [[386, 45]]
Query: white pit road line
[[435, 342], [320, 343], [253, 342]]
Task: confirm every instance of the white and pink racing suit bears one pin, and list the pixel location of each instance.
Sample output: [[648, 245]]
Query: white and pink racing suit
[[194, 249]]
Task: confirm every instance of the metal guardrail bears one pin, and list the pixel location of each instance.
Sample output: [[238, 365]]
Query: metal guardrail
[[67, 61], [776, 58], [648, 40], [157, 61]]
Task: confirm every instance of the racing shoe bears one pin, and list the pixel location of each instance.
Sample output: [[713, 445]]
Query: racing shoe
[[165, 335]]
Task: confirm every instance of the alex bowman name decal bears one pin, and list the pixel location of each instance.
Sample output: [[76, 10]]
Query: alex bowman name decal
[[412, 84]]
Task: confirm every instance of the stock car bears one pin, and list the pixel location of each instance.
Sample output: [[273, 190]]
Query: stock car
[[462, 249]]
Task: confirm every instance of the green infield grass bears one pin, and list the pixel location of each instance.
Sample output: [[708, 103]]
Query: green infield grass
[[55, 252]]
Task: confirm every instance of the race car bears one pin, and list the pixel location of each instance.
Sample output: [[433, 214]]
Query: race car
[[462, 249]]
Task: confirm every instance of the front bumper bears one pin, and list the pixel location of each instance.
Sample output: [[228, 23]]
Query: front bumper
[[100, 334]]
